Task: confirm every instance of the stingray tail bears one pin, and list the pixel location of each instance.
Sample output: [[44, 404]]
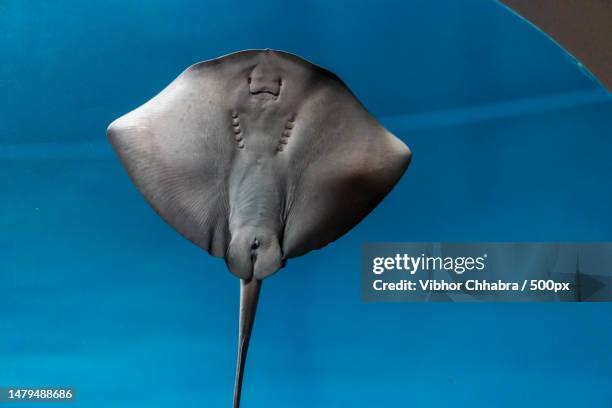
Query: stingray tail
[[249, 294]]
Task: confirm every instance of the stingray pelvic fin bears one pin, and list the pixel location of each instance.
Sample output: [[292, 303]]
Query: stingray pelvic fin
[[249, 295]]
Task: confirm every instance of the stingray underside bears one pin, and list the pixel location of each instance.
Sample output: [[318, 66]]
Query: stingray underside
[[337, 162]]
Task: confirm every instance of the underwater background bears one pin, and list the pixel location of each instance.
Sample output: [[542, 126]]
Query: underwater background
[[511, 140]]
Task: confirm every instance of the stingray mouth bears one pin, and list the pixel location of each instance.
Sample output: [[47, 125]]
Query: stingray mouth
[[264, 88], [264, 94]]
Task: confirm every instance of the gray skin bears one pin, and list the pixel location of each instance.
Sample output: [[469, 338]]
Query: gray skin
[[257, 157]]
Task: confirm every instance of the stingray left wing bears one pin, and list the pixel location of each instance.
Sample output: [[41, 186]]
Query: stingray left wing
[[345, 164], [175, 149]]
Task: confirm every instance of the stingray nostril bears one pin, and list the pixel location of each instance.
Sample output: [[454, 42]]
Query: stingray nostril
[[249, 80]]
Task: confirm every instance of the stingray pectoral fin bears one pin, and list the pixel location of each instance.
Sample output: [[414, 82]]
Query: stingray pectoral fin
[[174, 149], [249, 295], [348, 163]]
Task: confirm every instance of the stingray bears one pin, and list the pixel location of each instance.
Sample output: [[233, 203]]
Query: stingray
[[257, 157]]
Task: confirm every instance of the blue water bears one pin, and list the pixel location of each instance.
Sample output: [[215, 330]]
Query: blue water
[[511, 141]]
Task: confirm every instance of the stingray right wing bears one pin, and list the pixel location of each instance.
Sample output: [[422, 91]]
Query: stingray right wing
[[176, 148], [345, 163]]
